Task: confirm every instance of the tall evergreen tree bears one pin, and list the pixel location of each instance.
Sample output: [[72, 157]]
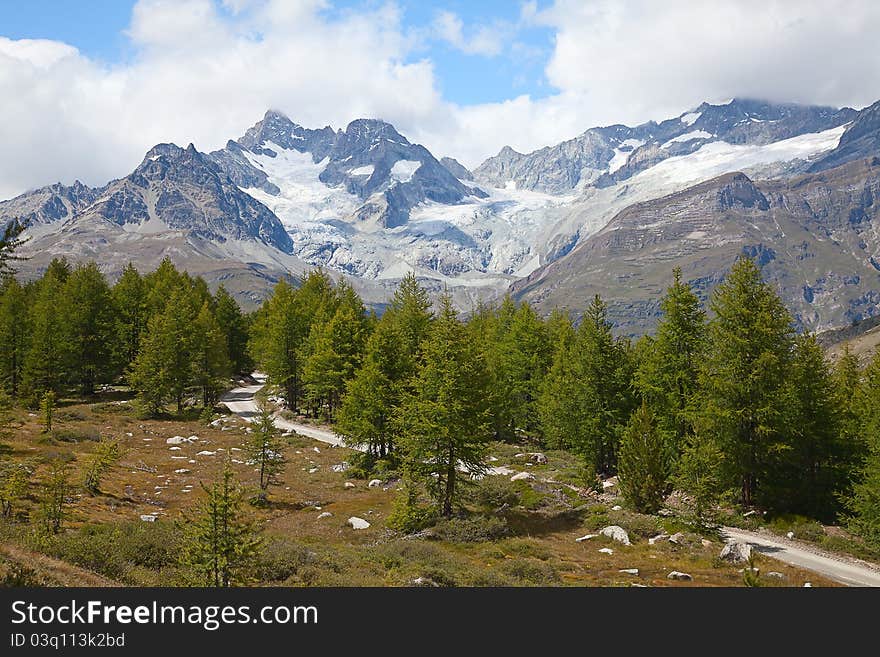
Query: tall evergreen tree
[[364, 417], [46, 362], [15, 334], [89, 324], [10, 241], [210, 361], [130, 303], [444, 422], [743, 376], [847, 391], [233, 324], [264, 450], [163, 368], [667, 376], [864, 503]]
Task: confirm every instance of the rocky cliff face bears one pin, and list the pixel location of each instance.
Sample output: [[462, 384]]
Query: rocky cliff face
[[816, 237], [48, 204]]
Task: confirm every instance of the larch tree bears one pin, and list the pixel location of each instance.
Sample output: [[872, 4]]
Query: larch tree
[[743, 399], [130, 302], [444, 422], [264, 450], [15, 334], [233, 325], [210, 361]]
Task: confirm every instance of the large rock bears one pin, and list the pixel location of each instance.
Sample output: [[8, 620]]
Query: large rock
[[358, 523], [616, 533], [736, 552], [681, 577], [374, 483], [522, 476]]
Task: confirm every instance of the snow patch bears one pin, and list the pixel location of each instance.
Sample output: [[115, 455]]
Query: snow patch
[[691, 117], [622, 153], [362, 171], [688, 136], [403, 170]]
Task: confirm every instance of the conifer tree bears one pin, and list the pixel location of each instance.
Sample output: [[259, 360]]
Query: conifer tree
[[14, 480], [53, 498], [410, 311], [864, 503], [264, 450], [444, 421], [10, 241], [644, 463], [220, 545], [743, 377], [211, 365], [14, 335], [89, 326], [46, 362], [667, 375], [130, 303], [560, 404], [105, 455], [47, 407], [701, 474], [163, 368], [846, 386], [364, 417], [233, 325], [160, 286], [279, 331]]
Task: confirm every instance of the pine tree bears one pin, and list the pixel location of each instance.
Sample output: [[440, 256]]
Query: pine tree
[[667, 375], [701, 475], [14, 481], [811, 471], [130, 303], [559, 403], [846, 385], [105, 455], [211, 365], [15, 334], [47, 407], [220, 546], [264, 450], [644, 460], [364, 418], [53, 499], [444, 422], [10, 241], [233, 325], [279, 330], [864, 503], [743, 376], [6, 416], [410, 311], [46, 362], [160, 286], [89, 326], [163, 368]]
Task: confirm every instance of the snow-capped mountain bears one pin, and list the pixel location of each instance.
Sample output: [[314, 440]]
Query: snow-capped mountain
[[370, 204]]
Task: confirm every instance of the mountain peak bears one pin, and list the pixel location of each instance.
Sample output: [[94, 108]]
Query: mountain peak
[[374, 129]]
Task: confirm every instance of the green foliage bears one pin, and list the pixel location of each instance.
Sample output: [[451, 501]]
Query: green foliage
[[53, 497], [863, 504], [644, 462], [47, 408], [220, 547], [743, 399], [701, 477], [211, 366], [234, 328], [264, 450], [14, 481], [45, 365], [10, 241], [130, 303], [15, 334], [444, 420], [103, 457], [473, 529]]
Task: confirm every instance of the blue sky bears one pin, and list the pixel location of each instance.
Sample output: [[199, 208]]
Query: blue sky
[[98, 29]]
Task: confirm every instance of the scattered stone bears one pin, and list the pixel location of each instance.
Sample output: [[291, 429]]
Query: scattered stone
[[617, 507], [181, 471], [677, 538], [340, 467], [348, 484], [608, 483], [638, 586], [629, 571], [606, 550], [736, 552], [374, 483], [192, 439], [205, 452], [492, 459], [585, 538], [616, 533], [775, 574], [174, 449], [807, 585], [313, 470], [658, 538], [705, 542], [148, 518], [358, 523], [325, 514], [522, 476], [176, 440], [682, 577], [182, 458], [537, 457], [424, 581], [316, 450], [235, 449], [789, 535], [749, 513]]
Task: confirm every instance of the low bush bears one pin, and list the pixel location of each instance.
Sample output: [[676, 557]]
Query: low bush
[[475, 529]]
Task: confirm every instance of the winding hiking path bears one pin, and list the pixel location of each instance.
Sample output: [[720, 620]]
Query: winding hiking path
[[845, 570], [242, 402]]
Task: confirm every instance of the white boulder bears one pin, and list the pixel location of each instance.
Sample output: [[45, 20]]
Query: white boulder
[[522, 476], [358, 523], [374, 483], [585, 538], [736, 552], [606, 550], [682, 577], [616, 533], [176, 440]]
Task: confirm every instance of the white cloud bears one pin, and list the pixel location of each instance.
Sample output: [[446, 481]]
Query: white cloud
[[484, 40], [203, 72]]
